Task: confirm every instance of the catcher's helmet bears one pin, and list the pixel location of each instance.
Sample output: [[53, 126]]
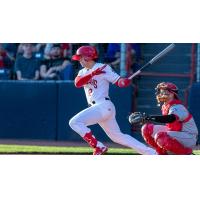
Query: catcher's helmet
[[87, 52], [167, 86]]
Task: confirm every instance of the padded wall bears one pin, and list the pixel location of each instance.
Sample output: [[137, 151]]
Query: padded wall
[[28, 110], [42, 110], [194, 104]]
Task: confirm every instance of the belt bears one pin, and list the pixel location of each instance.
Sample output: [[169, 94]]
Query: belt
[[93, 102]]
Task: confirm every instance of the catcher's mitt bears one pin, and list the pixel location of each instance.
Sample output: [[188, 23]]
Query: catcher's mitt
[[138, 118]]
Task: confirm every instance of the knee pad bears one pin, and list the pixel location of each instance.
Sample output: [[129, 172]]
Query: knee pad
[[162, 140], [147, 130], [171, 144], [161, 137]]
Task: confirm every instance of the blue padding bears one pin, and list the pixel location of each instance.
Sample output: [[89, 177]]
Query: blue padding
[[194, 104], [28, 110], [72, 100], [42, 110]]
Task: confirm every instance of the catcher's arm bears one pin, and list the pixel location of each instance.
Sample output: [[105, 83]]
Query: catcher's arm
[[162, 118], [142, 118]]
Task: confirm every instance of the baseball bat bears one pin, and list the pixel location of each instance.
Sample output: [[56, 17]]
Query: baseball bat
[[154, 59]]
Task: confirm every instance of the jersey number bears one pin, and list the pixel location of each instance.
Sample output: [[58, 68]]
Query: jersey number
[[90, 92]]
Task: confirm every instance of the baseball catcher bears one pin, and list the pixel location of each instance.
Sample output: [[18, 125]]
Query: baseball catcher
[[179, 135]]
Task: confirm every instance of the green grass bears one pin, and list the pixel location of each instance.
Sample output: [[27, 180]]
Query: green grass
[[30, 149], [196, 152]]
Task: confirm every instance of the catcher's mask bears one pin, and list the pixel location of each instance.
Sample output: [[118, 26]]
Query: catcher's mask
[[163, 90]]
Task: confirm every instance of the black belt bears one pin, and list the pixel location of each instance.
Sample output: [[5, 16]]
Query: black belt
[[93, 102]]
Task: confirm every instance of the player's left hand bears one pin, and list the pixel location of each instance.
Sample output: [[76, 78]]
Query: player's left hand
[[138, 118]]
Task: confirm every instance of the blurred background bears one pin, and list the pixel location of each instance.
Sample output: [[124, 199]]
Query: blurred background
[[38, 96]]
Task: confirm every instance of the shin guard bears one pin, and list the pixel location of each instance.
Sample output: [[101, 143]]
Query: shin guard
[[147, 131], [171, 144]]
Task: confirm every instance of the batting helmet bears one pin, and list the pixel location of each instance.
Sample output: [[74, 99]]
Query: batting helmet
[[167, 86], [87, 52]]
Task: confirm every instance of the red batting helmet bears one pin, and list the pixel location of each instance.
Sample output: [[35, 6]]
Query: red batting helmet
[[87, 52]]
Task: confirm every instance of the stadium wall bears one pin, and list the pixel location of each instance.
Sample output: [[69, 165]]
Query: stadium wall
[[41, 110], [194, 104]]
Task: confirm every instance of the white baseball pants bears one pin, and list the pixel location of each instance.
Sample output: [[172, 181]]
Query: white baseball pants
[[103, 113]]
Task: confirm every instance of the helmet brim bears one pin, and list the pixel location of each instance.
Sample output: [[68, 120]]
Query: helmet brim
[[76, 57]]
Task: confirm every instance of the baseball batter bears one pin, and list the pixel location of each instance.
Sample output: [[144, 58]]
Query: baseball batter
[[179, 135], [95, 78]]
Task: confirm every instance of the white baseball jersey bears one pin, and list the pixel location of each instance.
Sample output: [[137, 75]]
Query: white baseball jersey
[[98, 87], [183, 113]]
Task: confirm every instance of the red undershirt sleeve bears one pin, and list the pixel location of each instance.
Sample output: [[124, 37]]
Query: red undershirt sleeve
[[80, 81]]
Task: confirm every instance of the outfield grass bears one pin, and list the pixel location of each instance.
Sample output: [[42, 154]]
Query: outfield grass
[[30, 149]]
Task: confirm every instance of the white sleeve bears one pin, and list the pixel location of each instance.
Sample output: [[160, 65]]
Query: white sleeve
[[80, 73], [180, 111], [111, 75]]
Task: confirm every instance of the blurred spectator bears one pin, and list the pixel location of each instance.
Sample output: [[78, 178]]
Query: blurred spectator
[[56, 67], [66, 49], [113, 55], [11, 49], [112, 49], [20, 49], [133, 56], [26, 65], [6, 64], [100, 49], [38, 50], [47, 50]]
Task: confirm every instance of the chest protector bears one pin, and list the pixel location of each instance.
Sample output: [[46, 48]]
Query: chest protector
[[177, 124]]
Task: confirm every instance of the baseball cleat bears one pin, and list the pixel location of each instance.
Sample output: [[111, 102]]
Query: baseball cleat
[[100, 150]]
